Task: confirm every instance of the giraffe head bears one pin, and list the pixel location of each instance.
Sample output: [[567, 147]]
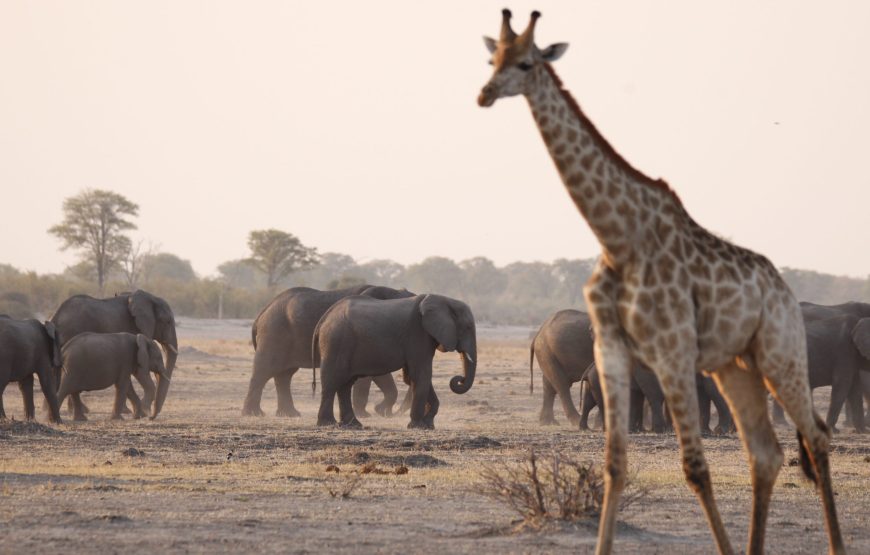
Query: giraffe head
[[515, 58]]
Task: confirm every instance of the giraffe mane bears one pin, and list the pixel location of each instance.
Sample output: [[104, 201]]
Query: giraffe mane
[[606, 147]]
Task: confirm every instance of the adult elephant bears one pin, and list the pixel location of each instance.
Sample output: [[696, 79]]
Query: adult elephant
[[563, 347], [281, 335], [360, 336], [136, 312], [838, 353], [29, 347]]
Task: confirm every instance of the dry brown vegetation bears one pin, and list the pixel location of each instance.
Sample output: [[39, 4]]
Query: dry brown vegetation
[[202, 478]]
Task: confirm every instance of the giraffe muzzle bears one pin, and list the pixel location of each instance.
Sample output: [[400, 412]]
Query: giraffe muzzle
[[487, 96]]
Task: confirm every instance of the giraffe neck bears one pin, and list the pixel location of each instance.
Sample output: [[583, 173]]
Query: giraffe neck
[[623, 207]]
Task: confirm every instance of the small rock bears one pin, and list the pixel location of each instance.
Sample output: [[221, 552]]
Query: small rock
[[133, 452], [333, 468], [401, 470], [794, 461]]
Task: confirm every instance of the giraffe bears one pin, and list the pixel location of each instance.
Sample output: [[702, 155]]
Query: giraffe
[[675, 296]]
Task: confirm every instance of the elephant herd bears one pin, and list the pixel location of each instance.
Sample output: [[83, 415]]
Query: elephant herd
[[91, 344], [838, 349], [361, 335], [357, 336]]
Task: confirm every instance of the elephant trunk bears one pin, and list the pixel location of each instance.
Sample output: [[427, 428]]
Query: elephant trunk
[[170, 345], [461, 384], [162, 390]]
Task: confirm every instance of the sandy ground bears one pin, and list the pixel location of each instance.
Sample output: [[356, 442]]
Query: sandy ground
[[201, 478]]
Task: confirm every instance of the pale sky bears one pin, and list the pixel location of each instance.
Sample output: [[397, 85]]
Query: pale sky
[[354, 125]]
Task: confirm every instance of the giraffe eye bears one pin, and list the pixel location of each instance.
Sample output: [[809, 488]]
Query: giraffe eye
[[525, 66]]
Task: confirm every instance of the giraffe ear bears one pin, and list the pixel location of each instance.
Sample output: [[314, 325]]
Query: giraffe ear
[[554, 51], [491, 44]]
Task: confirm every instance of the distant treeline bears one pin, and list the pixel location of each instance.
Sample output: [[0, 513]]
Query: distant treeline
[[518, 293]]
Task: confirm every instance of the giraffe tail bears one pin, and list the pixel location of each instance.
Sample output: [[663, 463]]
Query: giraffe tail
[[806, 463]]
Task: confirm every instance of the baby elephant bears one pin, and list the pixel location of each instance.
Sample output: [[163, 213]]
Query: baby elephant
[[360, 336], [94, 361]]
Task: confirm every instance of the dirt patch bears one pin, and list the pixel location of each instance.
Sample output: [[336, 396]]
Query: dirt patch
[[27, 427]]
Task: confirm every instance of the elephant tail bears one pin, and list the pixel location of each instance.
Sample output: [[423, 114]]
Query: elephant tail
[[532, 366], [315, 358], [254, 334]]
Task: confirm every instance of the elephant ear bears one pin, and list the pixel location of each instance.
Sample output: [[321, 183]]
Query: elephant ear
[[51, 330], [439, 322], [142, 309], [142, 355], [861, 337]]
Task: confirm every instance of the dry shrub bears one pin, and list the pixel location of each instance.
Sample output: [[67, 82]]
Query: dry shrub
[[549, 487], [346, 487]]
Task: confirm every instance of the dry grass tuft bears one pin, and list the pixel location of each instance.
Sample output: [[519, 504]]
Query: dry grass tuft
[[550, 487], [345, 488]]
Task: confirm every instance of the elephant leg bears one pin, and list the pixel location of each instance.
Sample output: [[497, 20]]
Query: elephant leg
[[387, 385], [704, 408], [635, 411], [546, 417], [421, 382], [121, 388], [328, 389], [360, 396], [346, 416], [406, 401], [138, 404], [78, 406], [25, 385], [856, 406], [839, 393], [725, 425], [587, 404], [563, 388], [49, 391], [265, 368], [285, 394], [432, 405], [659, 423]]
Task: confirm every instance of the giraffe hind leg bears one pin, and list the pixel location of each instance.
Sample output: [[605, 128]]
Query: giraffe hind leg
[[786, 377], [747, 398]]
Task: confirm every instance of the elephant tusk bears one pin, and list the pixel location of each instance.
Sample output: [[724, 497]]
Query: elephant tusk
[[171, 348], [471, 360]]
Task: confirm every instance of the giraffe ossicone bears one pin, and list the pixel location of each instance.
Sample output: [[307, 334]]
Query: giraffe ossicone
[[668, 292]]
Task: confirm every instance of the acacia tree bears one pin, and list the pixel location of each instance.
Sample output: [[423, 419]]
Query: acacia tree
[[93, 223], [278, 254]]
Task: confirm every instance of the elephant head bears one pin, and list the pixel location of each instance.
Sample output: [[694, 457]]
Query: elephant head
[[154, 318], [450, 323], [150, 359]]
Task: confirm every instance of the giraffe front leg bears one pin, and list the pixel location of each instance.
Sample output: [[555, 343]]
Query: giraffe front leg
[[746, 395], [677, 377], [614, 362]]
